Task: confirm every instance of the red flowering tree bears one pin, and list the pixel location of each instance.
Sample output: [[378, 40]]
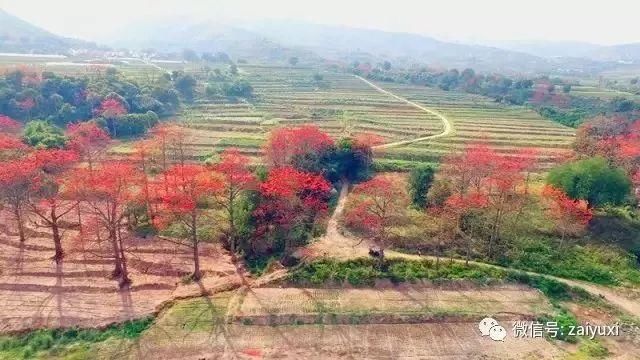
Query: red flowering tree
[[47, 196], [188, 187], [11, 146], [111, 109], [286, 143], [292, 201], [502, 179], [376, 205], [26, 105], [108, 193], [570, 216], [450, 217], [88, 140], [169, 142], [143, 152], [236, 178], [16, 179], [8, 125]]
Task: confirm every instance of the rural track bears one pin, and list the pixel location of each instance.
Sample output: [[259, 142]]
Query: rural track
[[336, 244], [448, 129]]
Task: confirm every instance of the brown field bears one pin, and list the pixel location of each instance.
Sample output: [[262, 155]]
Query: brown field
[[231, 325], [35, 292]]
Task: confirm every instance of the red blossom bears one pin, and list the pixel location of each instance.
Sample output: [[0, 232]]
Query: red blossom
[[111, 108], [9, 125], [285, 143]]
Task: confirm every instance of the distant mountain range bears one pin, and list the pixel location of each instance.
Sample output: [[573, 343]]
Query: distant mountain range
[[280, 40], [575, 49], [175, 36], [19, 36]]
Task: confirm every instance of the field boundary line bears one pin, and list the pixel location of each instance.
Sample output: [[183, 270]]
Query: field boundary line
[[448, 126]]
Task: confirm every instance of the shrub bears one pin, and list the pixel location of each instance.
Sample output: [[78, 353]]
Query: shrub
[[41, 134], [593, 180], [420, 181]]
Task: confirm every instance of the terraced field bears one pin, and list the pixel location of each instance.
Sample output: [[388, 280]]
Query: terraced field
[[339, 104], [601, 93], [506, 128]]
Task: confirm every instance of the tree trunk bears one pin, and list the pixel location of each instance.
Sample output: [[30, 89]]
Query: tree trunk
[[113, 237], [57, 241], [125, 281], [197, 274], [18, 214], [232, 229]]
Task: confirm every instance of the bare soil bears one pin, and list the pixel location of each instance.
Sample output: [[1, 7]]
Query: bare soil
[[35, 292]]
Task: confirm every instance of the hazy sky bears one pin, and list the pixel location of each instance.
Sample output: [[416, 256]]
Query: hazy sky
[[605, 22]]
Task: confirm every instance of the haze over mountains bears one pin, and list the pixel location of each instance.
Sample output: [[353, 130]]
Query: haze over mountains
[[277, 40], [19, 36]]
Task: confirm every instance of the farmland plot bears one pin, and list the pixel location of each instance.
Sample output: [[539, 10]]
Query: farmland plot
[[339, 103], [232, 325], [35, 292], [506, 128]]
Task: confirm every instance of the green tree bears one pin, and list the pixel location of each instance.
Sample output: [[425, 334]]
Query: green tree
[[420, 182], [186, 85], [593, 180], [41, 134]]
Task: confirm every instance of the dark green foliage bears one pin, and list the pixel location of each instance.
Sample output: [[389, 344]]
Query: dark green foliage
[[41, 134], [238, 88], [568, 117], [28, 345], [185, 84], [130, 124], [346, 160], [64, 99], [420, 180], [593, 180]]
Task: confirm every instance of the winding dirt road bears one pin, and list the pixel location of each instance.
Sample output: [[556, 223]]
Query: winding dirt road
[[337, 245], [448, 126]]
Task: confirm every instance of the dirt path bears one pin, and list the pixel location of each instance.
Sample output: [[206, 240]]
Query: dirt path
[[336, 245], [448, 126]]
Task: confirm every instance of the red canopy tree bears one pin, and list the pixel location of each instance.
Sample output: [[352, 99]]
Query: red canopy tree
[[143, 153], [169, 141], [236, 178], [11, 147], [8, 125], [570, 216], [501, 178], [111, 109], [290, 199], [285, 143], [108, 192], [375, 208], [16, 179], [47, 200], [450, 216], [88, 140], [188, 186]]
